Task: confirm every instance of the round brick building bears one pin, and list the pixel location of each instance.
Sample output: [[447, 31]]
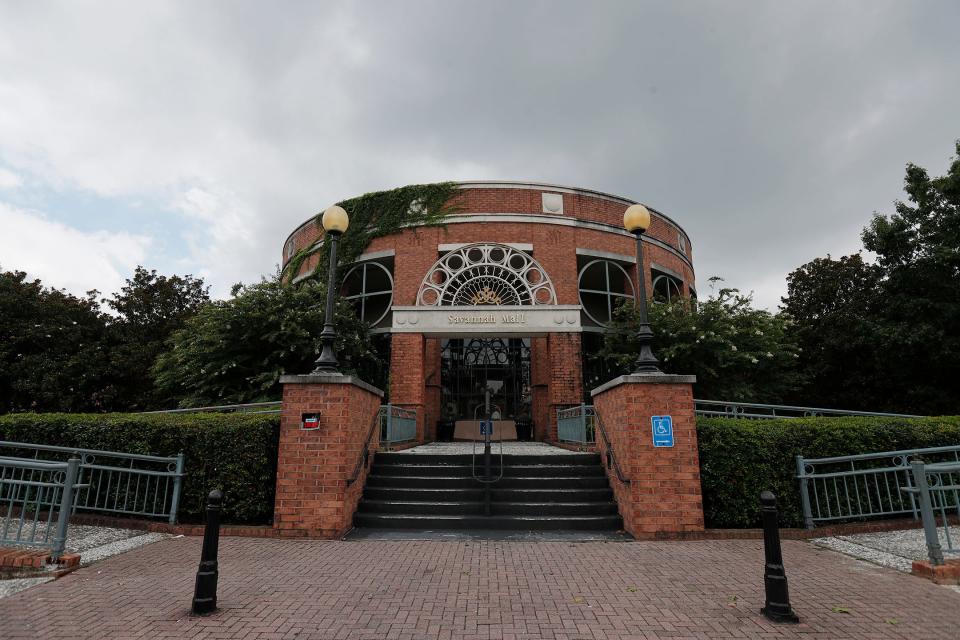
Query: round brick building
[[494, 313]]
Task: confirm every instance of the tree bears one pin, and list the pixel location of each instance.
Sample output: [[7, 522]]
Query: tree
[[836, 305], [738, 353], [918, 248], [234, 351], [149, 308], [887, 336], [52, 349]]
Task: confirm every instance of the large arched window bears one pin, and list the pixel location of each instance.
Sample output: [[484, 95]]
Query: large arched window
[[369, 286], [604, 285]]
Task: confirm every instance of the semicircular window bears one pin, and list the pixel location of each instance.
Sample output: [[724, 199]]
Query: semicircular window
[[369, 286], [486, 274], [604, 285]]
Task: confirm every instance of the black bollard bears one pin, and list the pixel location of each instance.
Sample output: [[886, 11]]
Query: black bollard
[[777, 607], [205, 592]]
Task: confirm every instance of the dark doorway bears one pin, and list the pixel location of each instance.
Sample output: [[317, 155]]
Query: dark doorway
[[469, 366]]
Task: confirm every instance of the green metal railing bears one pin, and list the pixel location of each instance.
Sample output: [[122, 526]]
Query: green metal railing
[[397, 424], [935, 489], [864, 486], [250, 407], [35, 499], [114, 482], [754, 411], [576, 424]]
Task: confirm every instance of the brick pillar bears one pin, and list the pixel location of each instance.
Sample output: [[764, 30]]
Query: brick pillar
[[540, 378], [566, 376], [663, 493], [407, 385], [433, 388], [313, 467]]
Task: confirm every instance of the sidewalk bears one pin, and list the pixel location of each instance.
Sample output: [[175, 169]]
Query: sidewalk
[[480, 590]]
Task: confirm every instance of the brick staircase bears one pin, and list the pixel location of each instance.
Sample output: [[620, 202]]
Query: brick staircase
[[536, 493]]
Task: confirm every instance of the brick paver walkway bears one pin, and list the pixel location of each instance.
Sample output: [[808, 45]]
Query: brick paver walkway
[[479, 589]]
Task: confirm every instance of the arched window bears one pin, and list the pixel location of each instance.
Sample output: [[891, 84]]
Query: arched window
[[486, 274], [666, 288], [604, 285], [369, 286]]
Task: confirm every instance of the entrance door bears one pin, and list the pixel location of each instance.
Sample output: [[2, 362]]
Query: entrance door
[[472, 366]]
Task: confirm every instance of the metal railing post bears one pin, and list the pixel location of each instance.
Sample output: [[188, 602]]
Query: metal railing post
[[66, 504], [583, 422], [804, 493], [389, 424], [177, 484], [934, 551]]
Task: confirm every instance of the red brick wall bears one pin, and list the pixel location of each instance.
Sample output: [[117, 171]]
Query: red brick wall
[[407, 375], [663, 495], [313, 498], [565, 376], [554, 246], [540, 380]]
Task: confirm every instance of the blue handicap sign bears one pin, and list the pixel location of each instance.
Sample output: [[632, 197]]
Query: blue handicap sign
[[486, 427], [662, 431]]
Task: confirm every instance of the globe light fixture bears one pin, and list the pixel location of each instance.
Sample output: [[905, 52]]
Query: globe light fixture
[[335, 221], [636, 220]]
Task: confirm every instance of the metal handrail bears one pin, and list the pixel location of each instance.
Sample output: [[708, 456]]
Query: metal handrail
[[611, 456], [227, 407], [365, 454], [735, 409]]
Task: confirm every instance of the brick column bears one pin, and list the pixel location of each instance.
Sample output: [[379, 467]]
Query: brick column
[[566, 376], [407, 385], [662, 496], [314, 496]]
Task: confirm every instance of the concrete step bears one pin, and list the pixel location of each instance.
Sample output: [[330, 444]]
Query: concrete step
[[514, 522]]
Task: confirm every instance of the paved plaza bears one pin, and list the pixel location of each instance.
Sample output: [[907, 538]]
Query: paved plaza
[[479, 589]]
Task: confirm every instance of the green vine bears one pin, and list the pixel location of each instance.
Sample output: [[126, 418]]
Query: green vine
[[377, 214]]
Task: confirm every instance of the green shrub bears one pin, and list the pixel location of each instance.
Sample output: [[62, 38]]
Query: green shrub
[[741, 458], [233, 452]]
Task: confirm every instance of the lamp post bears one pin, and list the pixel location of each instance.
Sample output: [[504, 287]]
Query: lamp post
[[636, 220], [335, 221]]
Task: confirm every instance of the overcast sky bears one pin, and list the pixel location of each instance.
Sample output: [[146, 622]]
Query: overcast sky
[[193, 137]]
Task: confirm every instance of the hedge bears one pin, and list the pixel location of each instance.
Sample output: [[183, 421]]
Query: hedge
[[741, 458], [233, 452], [238, 453]]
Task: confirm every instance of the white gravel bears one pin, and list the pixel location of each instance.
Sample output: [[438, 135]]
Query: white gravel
[[893, 549]]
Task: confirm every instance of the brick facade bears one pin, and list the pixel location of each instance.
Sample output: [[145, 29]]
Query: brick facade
[[589, 221], [314, 498], [663, 494]]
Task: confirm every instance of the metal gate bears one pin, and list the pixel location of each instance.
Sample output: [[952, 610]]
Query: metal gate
[[470, 366]]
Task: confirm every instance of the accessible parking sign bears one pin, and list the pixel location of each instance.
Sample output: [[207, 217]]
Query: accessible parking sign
[[662, 431]]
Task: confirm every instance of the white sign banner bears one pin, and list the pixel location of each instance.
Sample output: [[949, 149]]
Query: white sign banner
[[454, 322]]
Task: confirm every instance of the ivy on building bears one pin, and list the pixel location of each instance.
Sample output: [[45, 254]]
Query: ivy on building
[[376, 214]]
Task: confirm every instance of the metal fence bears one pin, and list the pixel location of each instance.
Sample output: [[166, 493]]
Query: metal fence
[[577, 424], [935, 490], [751, 410], [863, 486], [397, 424], [114, 482], [35, 499], [250, 407]]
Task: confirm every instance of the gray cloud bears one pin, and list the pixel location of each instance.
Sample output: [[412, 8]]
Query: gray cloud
[[770, 132]]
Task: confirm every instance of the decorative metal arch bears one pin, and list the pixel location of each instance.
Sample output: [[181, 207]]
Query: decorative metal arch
[[486, 273]]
